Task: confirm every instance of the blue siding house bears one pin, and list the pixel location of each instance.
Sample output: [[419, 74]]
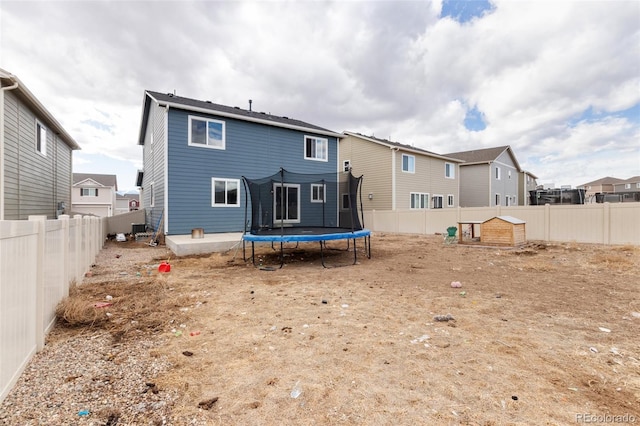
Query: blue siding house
[[195, 154]]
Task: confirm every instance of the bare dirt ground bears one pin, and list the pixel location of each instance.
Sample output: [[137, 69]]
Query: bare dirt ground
[[543, 334]]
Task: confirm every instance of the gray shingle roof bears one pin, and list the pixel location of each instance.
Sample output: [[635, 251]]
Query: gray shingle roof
[[479, 155], [401, 145], [235, 112], [105, 180]]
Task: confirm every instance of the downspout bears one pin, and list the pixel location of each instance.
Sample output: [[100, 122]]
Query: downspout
[[2, 178], [394, 149]]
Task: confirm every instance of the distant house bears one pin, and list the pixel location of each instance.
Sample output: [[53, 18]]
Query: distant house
[[601, 186], [127, 202], [195, 154], [399, 176], [35, 155], [628, 190], [94, 194], [527, 182], [488, 177]]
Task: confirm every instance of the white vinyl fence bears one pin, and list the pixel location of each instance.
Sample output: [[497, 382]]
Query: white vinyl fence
[[39, 259], [606, 223]]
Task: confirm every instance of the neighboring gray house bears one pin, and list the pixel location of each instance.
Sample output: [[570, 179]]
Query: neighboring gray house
[[35, 155], [488, 177], [94, 194], [399, 176], [527, 182], [195, 154], [629, 190]]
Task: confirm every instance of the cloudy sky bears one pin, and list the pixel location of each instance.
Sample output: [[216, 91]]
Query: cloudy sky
[[559, 81]]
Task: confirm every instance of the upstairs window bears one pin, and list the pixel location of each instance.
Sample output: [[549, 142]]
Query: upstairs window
[[408, 163], [41, 139], [316, 148], [225, 192], [449, 170], [88, 192], [206, 133], [346, 166], [627, 186], [497, 173]]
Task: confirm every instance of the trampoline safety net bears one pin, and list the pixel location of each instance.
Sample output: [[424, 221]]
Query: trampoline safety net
[[299, 200]]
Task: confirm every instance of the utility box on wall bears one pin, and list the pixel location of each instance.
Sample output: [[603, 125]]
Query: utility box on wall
[[503, 231]]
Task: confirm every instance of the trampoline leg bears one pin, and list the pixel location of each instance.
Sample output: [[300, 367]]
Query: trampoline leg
[[281, 255], [322, 255]]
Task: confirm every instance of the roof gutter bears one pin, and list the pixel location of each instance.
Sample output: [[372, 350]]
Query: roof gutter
[[2, 179]]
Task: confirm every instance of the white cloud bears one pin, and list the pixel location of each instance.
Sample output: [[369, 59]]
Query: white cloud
[[393, 69]]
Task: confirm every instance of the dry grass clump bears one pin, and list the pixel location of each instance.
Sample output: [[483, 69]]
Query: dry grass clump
[[147, 306]]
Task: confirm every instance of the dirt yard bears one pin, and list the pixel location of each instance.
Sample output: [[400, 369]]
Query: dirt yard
[[544, 334]]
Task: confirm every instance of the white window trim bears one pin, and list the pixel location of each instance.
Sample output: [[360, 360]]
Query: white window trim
[[497, 173], [43, 144], [638, 185], [433, 198], [498, 199], [408, 164], [324, 192], [346, 166], [422, 196], [315, 157], [342, 207], [207, 121], [88, 190], [286, 185], [452, 167], [213, 192], [452, 198]]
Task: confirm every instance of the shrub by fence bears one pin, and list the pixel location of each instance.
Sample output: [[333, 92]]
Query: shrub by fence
[[39, 259]]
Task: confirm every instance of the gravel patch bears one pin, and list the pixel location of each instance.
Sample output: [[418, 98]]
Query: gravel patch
[[87, 376]]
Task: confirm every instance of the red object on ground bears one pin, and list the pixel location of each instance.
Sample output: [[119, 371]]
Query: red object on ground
[[164, 267], [101, 304], [194, 333]]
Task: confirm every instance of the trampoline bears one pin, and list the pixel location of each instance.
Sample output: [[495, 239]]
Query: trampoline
[[297, 207]]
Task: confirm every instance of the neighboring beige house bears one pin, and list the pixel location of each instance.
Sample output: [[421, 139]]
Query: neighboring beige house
[[94, 194], [629, 189], [527, 181], [35, 155], [488, 177], [399, 176], [603, 185]]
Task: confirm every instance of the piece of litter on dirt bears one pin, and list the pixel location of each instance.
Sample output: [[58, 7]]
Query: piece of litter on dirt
[[101, 304], [324, 301], [187, 353], [194, 333], [421, 339], [123, 273], [635, 314], [456, 284], [463, 293], [109, 297], [444, 318], [297, 390], [83, 413], [594, 350], [121, 238], [345, 305], [606, 330], [177, 333], [208, 403], [573, 389], [615, 351]]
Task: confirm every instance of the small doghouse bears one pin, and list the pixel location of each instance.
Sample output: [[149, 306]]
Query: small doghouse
[[503, 231]]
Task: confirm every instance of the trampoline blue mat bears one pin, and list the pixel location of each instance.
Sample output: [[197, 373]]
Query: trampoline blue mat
[[306, 235]]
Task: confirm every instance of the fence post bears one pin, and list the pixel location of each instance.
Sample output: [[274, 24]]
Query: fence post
[[40, 261], [64, 218], [606, 223], [547, 222], [79, 249]]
